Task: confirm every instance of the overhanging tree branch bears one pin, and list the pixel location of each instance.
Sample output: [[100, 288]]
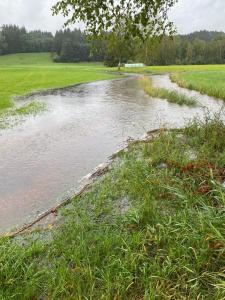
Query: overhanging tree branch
[[140, 18]]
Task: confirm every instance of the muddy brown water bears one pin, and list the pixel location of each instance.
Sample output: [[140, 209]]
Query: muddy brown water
[[43, 159]]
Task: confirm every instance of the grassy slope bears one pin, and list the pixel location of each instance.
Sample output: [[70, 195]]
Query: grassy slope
[[207, 82], [22, 59], [23, 73], [168, 245]]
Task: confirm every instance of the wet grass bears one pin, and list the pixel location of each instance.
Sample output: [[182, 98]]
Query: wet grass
[[207, 82], [162, 93], [14, 116], [169, 244], [32, 108]]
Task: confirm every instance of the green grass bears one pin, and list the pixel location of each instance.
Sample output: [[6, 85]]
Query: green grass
[[32, 108], [207, 82], [167, 244], [207, 79], [24, 73], [21, 74], [174, 69], [22, 59], [162, 93]]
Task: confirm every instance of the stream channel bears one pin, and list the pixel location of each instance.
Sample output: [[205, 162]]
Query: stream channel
[[43, 159]]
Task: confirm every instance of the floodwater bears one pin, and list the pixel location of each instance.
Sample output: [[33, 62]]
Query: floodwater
[[43, 159]]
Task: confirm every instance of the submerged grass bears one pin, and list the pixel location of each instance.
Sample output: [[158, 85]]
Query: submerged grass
[[162, 93], [14, 116], [32, 108], [167, 244]]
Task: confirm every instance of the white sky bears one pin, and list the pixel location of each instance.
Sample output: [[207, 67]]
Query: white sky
[[188, 15]]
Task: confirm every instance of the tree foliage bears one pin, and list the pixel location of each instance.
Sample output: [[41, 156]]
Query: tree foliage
[[202, 47], [14, 39], [139, 18], [67, 45], [74, 46]]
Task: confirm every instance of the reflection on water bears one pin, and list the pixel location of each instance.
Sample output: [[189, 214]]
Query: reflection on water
[[45, 157]]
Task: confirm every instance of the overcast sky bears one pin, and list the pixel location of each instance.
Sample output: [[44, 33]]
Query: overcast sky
[[188, 15]]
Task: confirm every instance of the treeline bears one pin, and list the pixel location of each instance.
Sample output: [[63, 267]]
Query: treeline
[[203, 47], [65, 45], [74, 46], [14, 39], [196, 48]]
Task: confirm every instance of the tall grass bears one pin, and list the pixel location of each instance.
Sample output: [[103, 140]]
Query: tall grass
[[167, 244], [162, 93]]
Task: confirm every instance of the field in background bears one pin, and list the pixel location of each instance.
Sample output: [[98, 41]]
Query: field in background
[[24, 73], [175, 69], [25, 59]]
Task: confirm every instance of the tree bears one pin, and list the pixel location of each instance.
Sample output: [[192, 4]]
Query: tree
[[14, 37], [140, 18], [118, 49], [3, 44]]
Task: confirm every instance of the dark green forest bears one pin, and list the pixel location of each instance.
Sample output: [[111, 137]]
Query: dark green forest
[[201, 47]]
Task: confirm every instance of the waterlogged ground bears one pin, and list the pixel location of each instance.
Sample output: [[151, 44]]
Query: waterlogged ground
[[43, 159]]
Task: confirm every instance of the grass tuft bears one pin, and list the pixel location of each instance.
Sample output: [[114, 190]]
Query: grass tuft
[[13, 116], [162, 93], [32, 108]]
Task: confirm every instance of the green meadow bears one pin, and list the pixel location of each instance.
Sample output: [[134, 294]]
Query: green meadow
[[21, 74], [210, 81]]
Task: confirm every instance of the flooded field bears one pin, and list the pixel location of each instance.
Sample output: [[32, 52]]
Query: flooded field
[[43, 159]]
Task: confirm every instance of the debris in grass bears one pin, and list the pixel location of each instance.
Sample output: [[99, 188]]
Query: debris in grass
[[122, 205], [162, 166]]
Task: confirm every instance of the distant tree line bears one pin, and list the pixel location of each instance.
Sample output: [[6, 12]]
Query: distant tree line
[[65, 45], [74, 46], [203, 47], [14, 39]]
